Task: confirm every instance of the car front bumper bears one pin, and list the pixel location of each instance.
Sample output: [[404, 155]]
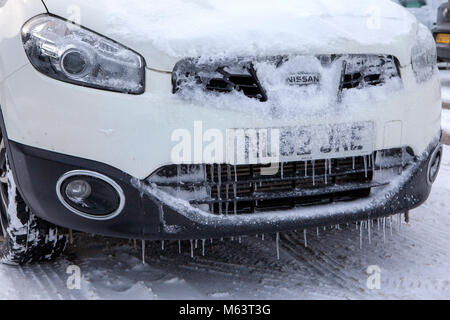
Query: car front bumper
[[151, 214], [56, 128], [443, 52]]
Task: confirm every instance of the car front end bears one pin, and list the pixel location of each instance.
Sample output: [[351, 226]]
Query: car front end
[[138, 128], [441, 32]]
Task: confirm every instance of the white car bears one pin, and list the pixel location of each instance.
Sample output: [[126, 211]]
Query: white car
[[180, 119]]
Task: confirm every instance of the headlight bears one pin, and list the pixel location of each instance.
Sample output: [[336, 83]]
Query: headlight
[[424, 55], [70, 53]]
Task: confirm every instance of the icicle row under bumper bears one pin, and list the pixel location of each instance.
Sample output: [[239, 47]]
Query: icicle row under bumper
[[151, 213]]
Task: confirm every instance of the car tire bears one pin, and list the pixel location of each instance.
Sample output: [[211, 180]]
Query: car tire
[[27, 238]]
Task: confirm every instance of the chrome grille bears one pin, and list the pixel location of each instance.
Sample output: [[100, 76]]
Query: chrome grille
[[359, 71], [362, 71]]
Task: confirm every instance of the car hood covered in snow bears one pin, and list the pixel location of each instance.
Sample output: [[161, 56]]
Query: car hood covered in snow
[[165, 31]]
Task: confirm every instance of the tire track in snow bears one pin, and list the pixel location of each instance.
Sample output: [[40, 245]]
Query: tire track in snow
[[291, 245], [432, 228], [328, 256], [417, 238], [272, 273], [50, 282], [301, 276], [29, 274], [398, 284], [55, 278]]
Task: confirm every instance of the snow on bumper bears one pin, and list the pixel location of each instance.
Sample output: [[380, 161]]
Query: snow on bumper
[[405, 191]]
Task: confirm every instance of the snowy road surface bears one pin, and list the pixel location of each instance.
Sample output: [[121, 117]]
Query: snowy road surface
[[414, 263]]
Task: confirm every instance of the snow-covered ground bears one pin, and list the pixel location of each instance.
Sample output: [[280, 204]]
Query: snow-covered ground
[[414, 264]]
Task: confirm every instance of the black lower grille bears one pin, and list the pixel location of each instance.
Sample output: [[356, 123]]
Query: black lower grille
[[242, 189]]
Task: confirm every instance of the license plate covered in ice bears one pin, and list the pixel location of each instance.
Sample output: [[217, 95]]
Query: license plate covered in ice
[[315, 142]]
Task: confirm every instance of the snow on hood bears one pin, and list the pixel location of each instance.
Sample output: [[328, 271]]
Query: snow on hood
[[165, 31]]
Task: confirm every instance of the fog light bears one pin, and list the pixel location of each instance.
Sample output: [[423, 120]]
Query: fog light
[[78, 190], [90, 195]]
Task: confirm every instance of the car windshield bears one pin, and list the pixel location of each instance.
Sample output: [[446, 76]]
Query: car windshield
[[413, 3]]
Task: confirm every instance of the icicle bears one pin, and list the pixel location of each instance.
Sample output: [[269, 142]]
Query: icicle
[[378, 224], [325, 172], [178, 178], [70, 237], [314, 172], [262, 237], [219, 187], [240, 240], [353, 163], [192, 248], [282, 170], [390, 224], [317, 232], [365, 167], [235, 190], [162, 245], [227, 190], [373, 161], [306, 168], [384, 229], [196, 243], [143, 251], [278, 245], [255, 189], [227, 204], [305, 238], [211, 241], [361, 227], [179, 246], [203, 247], [369, 231]]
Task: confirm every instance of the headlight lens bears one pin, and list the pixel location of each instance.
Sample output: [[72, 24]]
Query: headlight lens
[[424, 55], [70, 53]]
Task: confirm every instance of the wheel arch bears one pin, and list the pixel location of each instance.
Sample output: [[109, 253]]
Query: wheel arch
[[9, 153]]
